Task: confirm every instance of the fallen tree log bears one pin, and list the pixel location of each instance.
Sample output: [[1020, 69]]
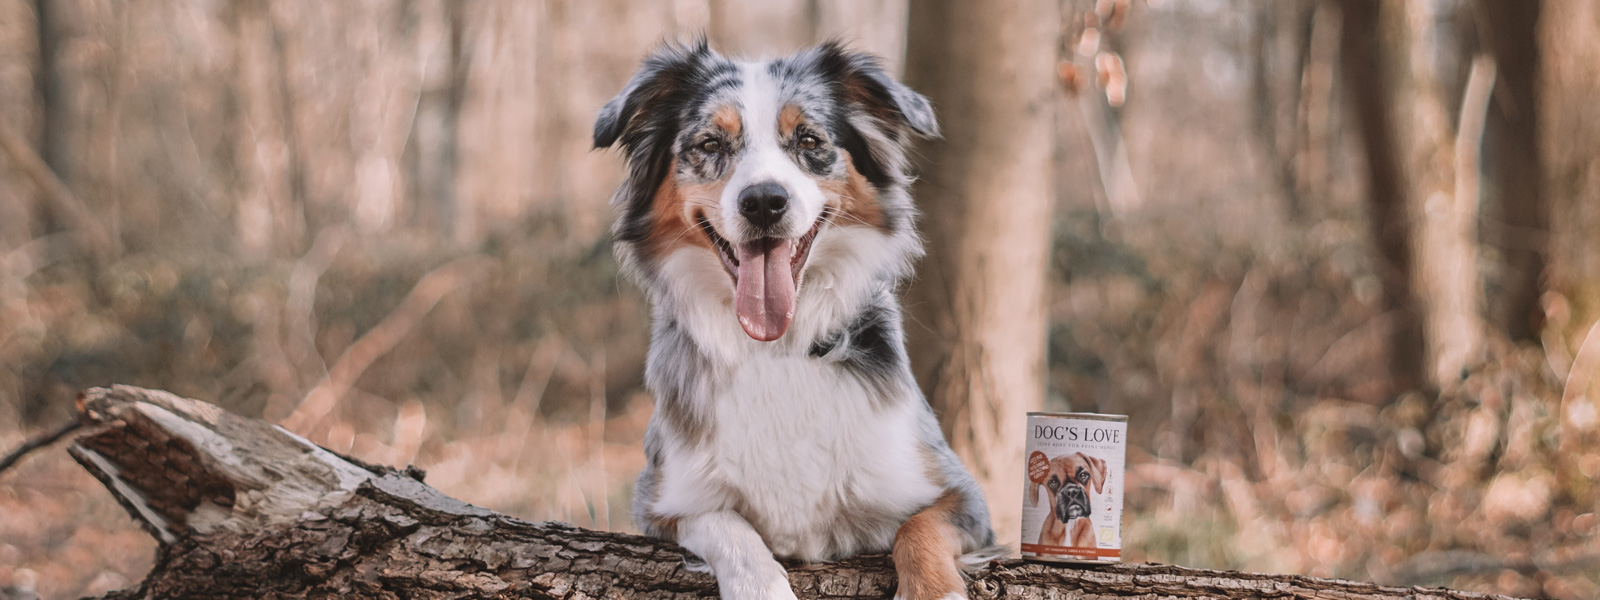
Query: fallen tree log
[[246, 509]]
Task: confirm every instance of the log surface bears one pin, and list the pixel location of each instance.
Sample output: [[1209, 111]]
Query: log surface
[[245, 509]]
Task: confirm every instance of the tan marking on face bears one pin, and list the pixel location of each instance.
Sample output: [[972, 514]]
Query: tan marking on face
[[926, 549], [672, 213], [854, 199], [727, 119], [788, 119]]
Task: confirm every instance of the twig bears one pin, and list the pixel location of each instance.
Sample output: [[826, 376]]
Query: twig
[[91, 233], [1469, 138], [597, 439], [300, 322], [379, 341], [38, 442]]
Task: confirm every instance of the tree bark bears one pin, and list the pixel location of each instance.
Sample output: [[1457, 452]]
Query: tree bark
[[1423, 184], [977, 318], [51, 83], [1569, 83], [1514, 179], [245, 509], [1388, 215]]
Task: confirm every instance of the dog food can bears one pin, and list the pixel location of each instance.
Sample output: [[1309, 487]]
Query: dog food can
[[1072, 499]]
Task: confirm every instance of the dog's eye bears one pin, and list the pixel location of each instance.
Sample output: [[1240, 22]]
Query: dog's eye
[[809, 142], [1082, 476], [710, 146], [1055, 484]]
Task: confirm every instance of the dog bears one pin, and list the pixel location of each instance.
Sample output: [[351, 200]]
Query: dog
[[766, 213], [1069, 480]]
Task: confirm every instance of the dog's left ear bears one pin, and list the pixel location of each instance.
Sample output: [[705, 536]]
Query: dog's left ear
[[1097, 473], [864, 84]]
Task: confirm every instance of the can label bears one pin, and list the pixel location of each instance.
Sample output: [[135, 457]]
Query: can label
[[1072, 499]]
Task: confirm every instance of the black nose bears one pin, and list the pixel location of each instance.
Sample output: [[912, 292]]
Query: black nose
[[763, 204]]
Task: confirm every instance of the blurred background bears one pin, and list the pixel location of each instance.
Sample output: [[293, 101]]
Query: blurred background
[[1336, 259]]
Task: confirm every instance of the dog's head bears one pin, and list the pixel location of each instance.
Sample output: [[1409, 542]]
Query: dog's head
[[743, 167], [1069, 480]]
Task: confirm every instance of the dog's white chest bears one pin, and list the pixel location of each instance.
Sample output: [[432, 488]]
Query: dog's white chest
[[818, 465]]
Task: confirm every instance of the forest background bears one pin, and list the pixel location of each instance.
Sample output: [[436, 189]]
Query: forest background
[[1336, 259]]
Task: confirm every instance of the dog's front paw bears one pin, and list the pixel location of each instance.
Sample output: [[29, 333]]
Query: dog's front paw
[[755, 588], [941, 586]]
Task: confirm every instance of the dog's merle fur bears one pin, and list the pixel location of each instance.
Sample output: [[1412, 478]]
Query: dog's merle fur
[[819, 444]]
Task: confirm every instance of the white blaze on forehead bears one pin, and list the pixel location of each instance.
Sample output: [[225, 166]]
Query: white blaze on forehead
[[763, 159]]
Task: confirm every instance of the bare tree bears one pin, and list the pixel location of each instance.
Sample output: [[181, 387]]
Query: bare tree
[[1423, 182], [51, 86], [1362, 66], [1278, 92], [1569, 130], [1521, 226], [977, 309]]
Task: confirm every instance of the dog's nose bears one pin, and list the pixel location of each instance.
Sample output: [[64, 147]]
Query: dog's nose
[[763, 204]]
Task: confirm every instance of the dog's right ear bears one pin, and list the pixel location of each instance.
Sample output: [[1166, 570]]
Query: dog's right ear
[[643, 119], [1032, 492], [653, 97]]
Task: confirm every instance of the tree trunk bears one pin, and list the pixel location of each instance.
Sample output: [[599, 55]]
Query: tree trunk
[[1388, 214], [1569, 81], [1423, 174], [245, 509], [51, 84], [977, 320], [1522, 231], [1281, 40]]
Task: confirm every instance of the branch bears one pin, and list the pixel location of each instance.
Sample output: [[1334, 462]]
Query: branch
[[377, 342], [91, 233], [37, 442], [246, 509]]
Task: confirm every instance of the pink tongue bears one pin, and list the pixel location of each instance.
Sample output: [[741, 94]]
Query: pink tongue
[[764, 297]]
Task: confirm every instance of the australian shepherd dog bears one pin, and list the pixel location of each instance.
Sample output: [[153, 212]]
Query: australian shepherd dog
[[766, 214]]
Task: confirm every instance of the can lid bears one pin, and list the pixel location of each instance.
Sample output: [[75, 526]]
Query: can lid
[[1087, 416]]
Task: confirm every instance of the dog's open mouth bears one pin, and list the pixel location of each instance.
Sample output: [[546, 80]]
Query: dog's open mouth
[[766, 276]]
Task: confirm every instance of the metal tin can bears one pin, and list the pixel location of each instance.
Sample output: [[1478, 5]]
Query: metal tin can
[[1072, 499]]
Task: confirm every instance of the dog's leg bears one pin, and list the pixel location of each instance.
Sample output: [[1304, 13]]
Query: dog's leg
[[737, 555], [927, 550]]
